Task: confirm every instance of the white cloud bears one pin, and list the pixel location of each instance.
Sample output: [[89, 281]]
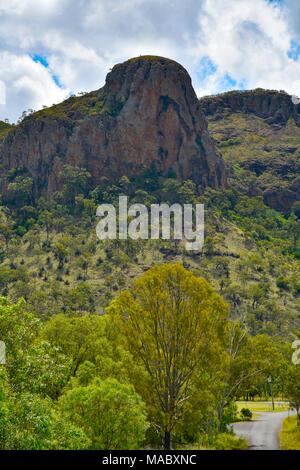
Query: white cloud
[[249, 41], [246, 41], [28, 85], [2, 93], [292, 14]]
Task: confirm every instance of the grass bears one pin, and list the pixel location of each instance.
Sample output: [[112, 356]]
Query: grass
[[257, 407], [253, 418], [230, 442], [290, 434], [4, 129], [151, 58]]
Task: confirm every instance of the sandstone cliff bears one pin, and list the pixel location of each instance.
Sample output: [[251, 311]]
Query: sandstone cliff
[[258, 133], [274, 107], [146, 112]]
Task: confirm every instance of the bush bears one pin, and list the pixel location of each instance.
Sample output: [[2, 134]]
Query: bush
[[111, 414], [282, 283], [229, 441], [246, 413]]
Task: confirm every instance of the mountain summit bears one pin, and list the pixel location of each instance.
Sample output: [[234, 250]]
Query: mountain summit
[[147, 113]]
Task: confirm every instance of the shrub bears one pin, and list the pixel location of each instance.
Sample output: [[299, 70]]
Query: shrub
[[246, 413], [228, 441], [282, 283], [112, 414]]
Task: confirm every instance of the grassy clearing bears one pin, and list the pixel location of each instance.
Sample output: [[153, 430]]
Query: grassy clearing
[[290, 434], [257, 407]]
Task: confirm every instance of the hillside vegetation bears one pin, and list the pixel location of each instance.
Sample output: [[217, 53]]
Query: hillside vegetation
[[107, 345], [260, 141], [250, 256]]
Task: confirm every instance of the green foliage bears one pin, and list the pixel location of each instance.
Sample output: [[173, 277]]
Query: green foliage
[[296, 209], [169, 320], [283, 283], [49, 255], [264, 159], [292, 388], [111, 414], [246, 413], [76, 182], [230, 442], [20, 191], [32, 424], [81, 338], [290, 434], [5, 128]]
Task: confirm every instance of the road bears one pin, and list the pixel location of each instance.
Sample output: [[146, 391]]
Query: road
[[262, 433]]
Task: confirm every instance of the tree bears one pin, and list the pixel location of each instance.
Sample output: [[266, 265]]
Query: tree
[[61, 253], [259, 357], [186, 193], [293, 226], [292, 388], [236, 334], [20, 191], [41, 370], [296, 209], [169, 190], [34, 371], [46, 219], [29, 423], [18, 328], [172, 322], [112, 414], [80, 338], [6, 233], [76, 182]]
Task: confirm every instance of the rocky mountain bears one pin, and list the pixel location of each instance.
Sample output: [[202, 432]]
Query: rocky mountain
[[146, 113], [258, 133]]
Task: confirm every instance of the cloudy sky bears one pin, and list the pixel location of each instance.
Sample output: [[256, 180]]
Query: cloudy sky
[[51, 48]]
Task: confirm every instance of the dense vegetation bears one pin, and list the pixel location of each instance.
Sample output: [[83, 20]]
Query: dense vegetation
[[75, 311], [250, 256], [261, 146]]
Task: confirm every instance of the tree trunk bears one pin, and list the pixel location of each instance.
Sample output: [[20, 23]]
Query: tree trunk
[[220, 418], [167, 441]]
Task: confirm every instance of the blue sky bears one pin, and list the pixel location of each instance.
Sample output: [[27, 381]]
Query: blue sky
[[44, 62], [51, 48]]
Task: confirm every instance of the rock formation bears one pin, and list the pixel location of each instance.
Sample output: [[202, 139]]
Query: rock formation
[[259, 131], [273, 106], [146, 112]]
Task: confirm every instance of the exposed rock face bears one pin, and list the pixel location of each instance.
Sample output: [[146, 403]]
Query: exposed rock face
[[146, 112], [259, 131], [273, 106]]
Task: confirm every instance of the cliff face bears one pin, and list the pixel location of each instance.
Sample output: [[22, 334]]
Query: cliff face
[[146, 112], [274, 107], [258, 133]]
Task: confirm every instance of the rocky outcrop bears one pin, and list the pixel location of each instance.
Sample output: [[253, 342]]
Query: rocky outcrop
[[258, 131], [146, 112], [273, 106]]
